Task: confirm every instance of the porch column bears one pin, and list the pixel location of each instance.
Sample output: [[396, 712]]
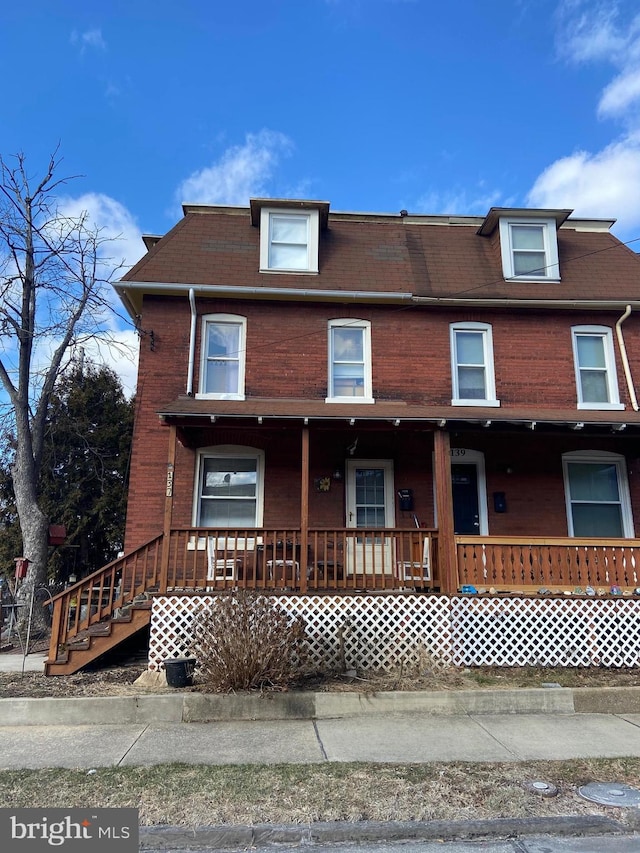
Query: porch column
[[168, 509], [304, 508], [447, 557]]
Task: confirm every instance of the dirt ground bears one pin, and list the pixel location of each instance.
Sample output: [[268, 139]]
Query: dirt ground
[[119, 680]]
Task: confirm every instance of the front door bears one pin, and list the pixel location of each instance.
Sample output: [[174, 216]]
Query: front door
[[370, 506], [469, 492], [466, 512]]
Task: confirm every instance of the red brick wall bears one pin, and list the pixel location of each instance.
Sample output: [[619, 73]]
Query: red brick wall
[[287, 356]]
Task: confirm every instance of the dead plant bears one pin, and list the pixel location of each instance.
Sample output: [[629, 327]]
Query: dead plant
[[244, 640]]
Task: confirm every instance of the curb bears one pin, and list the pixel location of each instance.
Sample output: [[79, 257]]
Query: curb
[[191, 707], [265, 835]]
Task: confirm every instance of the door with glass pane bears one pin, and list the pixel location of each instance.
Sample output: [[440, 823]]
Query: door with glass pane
[[370, 507]]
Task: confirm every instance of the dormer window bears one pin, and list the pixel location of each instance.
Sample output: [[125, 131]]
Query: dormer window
[[529, 249], [289, 234]]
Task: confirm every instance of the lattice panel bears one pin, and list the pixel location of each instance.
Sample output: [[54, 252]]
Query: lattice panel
[[370, 632]]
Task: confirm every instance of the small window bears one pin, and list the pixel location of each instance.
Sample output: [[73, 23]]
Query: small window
[[472, 365], [597, 495], [595, 367], [289, 241], [223, 357], [350, 362], [529, 249], [229, 488]]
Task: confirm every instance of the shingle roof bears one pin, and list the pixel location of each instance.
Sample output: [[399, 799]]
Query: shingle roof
[[425, 256]]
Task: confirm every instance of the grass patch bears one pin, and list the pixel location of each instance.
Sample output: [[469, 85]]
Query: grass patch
[[188, 795]]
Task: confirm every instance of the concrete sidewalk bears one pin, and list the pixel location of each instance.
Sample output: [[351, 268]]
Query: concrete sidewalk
[[376, 738]]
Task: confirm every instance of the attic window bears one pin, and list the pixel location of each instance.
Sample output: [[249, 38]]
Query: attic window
[[529, 249], [289, 240]]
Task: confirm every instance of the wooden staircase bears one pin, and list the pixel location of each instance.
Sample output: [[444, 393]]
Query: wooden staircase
[[102, 610]]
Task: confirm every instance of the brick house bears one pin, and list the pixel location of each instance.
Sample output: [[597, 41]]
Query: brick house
[[332, 402]]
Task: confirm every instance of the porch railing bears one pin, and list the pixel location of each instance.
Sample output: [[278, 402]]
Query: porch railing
[[532, 563], [334, 559]]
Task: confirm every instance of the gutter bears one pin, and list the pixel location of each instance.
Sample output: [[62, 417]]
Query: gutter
[[625, 360], [564, 304], [192, 341]]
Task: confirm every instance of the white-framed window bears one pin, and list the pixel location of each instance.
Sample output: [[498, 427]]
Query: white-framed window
[[222, 361], [350, 361], [472, 373], [597, 494], [595, 366], [529, 249], [229, 491], [289, 240]]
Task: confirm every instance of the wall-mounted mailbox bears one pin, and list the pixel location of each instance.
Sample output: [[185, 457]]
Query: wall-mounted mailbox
[[499, 502], [405, 500]]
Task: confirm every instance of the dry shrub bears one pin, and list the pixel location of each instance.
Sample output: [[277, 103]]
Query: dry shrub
[[245, 641]]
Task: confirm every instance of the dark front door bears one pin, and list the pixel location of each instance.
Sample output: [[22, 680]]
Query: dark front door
[[466, 511]]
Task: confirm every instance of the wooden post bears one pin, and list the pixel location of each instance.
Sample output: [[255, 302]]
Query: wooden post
[[447, 557], [168, 510], [304, 509]]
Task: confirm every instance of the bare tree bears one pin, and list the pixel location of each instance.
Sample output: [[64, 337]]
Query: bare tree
[[53, 298]]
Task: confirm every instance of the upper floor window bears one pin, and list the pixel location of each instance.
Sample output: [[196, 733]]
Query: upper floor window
[[289, 240], [350, 361], [472, 365], [529, 249], [595, 367], [223, 356], [597, 494]]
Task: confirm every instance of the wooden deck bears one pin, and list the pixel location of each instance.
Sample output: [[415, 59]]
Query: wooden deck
[[97, 613]]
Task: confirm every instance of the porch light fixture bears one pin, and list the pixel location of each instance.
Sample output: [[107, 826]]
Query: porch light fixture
[[212, 418], [396, 422], [442, 424], [260, 419], [579, 425], [337, 474], [352, 421], [532, 425]]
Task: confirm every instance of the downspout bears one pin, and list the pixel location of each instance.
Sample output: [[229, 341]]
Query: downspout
[[192, 341], [625, 360]]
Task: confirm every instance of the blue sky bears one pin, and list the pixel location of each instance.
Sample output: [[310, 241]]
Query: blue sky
[[373, 105]]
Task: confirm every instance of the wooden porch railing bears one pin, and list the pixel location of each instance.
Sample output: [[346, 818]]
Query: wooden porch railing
[[97, 596], [199, 559], [532, 563], [334, 559]]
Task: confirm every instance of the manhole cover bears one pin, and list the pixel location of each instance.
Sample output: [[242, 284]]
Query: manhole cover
[[610, 794]]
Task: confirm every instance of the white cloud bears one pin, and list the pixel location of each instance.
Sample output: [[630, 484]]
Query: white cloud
[[120, 353], [241, 172], [88, 39], [116, 224], [458, 202], [603, 183]]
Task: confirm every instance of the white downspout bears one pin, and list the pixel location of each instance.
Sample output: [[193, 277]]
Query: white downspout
[[625, 360], [192, 341]]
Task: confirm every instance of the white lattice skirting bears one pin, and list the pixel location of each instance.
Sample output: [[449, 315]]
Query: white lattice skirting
[[369, 632]]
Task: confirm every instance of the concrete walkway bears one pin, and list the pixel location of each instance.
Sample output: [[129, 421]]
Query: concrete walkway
[[378, 738]]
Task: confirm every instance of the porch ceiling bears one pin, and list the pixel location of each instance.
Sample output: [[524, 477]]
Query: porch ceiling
[[187, 410]]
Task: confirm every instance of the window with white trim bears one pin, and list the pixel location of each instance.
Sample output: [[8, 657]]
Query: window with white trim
[[222, 360], [289, 240], [597, 494], [472, 371], [350, 361], [229, 487], [529, 249], [595, 366]]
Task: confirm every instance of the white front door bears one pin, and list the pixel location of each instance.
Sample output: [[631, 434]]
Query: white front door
[[370, 506]]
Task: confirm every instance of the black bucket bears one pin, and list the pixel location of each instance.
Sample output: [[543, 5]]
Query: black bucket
[[179, 671]]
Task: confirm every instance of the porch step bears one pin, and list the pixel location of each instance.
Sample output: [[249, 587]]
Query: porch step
[[98, 640]]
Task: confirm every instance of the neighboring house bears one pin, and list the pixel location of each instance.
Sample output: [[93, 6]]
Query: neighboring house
[[348, 401]]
